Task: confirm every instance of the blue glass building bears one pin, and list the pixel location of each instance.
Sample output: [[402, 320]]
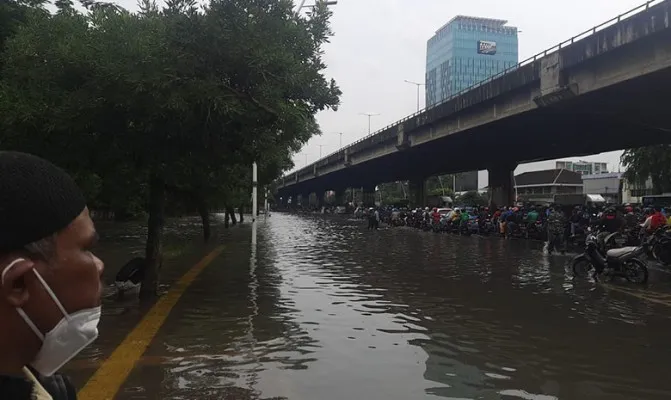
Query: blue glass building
[[466, 51]]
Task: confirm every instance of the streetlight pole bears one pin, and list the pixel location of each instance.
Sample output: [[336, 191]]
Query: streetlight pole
[[328, 3], [418, 86], [306, 160], [255, 205], [320, 150], [369, 115], [337, 133]]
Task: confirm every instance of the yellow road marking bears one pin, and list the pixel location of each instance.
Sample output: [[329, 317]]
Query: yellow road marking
[[642, 296], [108, 379]]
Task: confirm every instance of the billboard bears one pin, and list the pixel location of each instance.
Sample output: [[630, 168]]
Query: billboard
[[486, 47]]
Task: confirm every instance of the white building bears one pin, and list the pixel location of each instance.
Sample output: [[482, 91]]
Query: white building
[[615, 188], [608, 185], [634, 193], [583, 167]]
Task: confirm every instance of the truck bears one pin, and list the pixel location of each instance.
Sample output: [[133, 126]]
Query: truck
[[578, 199]]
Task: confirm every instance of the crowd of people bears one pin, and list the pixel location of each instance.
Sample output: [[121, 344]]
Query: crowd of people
[[558, 225]]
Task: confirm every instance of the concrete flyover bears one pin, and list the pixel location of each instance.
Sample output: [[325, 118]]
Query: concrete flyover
[[604, 90]]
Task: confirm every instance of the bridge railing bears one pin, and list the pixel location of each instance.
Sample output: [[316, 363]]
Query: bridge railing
[[506, 71]]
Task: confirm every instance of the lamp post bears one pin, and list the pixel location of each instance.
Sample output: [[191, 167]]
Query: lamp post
[[369, 115], [337, 133], [320, 150], [418, 86], [328, 3], [255, 205]]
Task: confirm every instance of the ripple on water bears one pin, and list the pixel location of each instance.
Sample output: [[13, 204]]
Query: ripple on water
[[332, 311]]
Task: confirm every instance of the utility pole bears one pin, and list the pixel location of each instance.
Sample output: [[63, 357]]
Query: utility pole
[[418, 86], [369, 115], [340, 133], [320, 150]]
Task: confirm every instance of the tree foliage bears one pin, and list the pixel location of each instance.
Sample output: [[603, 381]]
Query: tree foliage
[[473, 199], [180, 99], [653, 163]]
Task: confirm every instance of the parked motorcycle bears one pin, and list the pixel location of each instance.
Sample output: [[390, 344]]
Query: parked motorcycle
[[659, 246], [620, 262]]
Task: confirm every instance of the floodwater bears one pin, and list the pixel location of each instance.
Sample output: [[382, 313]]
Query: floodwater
[[321, 308]]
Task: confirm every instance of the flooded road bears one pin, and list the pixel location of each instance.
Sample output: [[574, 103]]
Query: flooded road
[[324, 309]]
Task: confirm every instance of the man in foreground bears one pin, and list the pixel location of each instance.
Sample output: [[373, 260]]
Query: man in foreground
[[50, 288]]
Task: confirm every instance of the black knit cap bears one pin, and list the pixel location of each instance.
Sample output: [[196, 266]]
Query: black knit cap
[[37, 199]]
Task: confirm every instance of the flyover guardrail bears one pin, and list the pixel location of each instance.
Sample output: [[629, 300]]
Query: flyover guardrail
[[506, 71]]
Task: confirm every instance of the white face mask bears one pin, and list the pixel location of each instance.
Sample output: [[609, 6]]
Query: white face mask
[[69, 337]]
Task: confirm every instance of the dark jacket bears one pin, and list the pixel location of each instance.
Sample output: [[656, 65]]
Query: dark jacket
[[24, 388]]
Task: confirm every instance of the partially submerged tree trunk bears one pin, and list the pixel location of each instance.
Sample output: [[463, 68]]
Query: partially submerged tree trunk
[[242, 212], [205, 217], [231, 212], [154, 246]]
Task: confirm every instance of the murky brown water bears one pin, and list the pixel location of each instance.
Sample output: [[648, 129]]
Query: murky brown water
[[324, 309]]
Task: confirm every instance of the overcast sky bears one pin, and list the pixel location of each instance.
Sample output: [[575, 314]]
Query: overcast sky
[[380, 43]]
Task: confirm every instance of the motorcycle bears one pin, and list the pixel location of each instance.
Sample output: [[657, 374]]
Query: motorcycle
[[620, 262], [536, 231], [613, 240], [659, 246]]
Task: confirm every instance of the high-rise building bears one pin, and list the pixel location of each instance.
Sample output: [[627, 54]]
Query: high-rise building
[[583, 167], [466, 51]]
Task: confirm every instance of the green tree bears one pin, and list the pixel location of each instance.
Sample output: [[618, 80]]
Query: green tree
[[440, 185], [179, 97], [652, 163], [473, 199]]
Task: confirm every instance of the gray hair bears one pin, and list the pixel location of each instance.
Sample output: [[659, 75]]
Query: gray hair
[[44, 248]]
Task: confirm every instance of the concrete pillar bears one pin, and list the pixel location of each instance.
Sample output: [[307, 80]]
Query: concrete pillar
[[369, 196], [319, 198], [340, 198], [357, 196], [304, 199], [501, 185], [417, 188]]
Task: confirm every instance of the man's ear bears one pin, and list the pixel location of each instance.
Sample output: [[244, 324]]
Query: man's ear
[[14, 281]]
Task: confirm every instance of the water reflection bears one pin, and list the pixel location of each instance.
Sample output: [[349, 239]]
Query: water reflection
[[324, 309]]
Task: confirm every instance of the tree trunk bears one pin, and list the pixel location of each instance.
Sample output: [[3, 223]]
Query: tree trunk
[[154, 246], [230, 211], [226, 217], [242, 212]]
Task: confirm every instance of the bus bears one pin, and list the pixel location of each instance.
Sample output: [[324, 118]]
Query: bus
[[661, 200]]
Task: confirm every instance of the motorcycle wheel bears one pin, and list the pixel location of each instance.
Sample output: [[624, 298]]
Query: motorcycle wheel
[[636, 271], [661, 254], [582, 267], [656, 250]]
